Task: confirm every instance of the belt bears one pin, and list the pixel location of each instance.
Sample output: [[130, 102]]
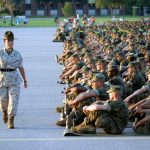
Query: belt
[[6, 70]]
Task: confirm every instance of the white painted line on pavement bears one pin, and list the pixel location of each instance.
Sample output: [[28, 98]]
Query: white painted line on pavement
[[81, 138]]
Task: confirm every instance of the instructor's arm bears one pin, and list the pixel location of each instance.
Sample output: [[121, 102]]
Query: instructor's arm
[[22, 72]]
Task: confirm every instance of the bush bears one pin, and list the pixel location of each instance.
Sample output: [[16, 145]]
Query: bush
[[67, 10]]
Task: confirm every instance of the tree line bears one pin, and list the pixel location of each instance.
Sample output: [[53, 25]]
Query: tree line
[[11, 5]]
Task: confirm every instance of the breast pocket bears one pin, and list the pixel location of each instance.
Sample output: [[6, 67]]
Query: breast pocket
[[14, 62]]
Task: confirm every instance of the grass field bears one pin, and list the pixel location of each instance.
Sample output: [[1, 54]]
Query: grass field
[[49, 21]]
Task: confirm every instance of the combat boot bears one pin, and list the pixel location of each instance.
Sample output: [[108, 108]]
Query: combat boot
[[88, 129], [4, 116], [11, 122], [61, 123], [84, 128], [69, 123], [59, 109], [75, 128], [77, 121]]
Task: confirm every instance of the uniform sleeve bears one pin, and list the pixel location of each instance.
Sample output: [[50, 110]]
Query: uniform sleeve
[[96, 92], [108, 106], [147, 87], [101, 93], [20, 61]]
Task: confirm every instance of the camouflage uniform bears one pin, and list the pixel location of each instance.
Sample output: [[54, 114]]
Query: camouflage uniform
[[10, 81], [145, 129], [113, 121], [80, 64], [78, 110], [76, 116], [137, 80], [60, 37], [133, 114]]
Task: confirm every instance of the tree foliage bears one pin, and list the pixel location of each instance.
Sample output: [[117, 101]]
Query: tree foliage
[[9, 5], [67, 10], [118, 3]]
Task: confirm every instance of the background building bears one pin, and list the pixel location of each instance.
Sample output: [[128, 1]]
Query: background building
[[33, 8], [89, 7]]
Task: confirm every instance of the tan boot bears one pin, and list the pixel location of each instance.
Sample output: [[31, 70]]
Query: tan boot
[[11, 122], [61, 123], [59, 109], [75, 129], [4, 116], [83, 128], [88, 129]]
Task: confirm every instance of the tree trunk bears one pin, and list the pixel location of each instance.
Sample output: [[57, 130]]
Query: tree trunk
[[59, 7], [98, 11], [11, 10], [122, 10], [86, 8], [74, 7], [46, 9]]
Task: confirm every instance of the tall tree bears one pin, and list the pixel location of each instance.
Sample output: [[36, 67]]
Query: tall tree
[[67, 9], [101, 3], [10, 6], [111, 4]]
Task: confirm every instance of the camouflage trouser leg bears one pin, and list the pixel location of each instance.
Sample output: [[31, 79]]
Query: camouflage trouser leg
[[91, 117], [4, 98], [145, 129], [99, 119], [9, 97], [69, 121], [81, 104], [67, 109], [74, 119]]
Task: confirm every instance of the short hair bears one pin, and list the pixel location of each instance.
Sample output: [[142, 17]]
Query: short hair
[[8, 35]]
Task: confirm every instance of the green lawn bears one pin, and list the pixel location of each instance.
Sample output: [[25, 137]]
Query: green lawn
[[49, 21]]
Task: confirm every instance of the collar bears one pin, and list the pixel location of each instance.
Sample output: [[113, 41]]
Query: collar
[[8, 52]]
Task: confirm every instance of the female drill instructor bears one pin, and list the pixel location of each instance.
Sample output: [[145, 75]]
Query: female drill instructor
[[10, 62]]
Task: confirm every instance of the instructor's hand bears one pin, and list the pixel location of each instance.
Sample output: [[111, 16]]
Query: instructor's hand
[[25, 84]]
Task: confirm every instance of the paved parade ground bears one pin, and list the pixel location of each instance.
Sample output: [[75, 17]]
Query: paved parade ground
[[35, 122]]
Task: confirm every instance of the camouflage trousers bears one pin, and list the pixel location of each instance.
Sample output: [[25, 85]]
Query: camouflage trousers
[[69, 97], [145, 129], [76, 116], [9, 97], [102, 119], [99, 118], [81, 104]]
